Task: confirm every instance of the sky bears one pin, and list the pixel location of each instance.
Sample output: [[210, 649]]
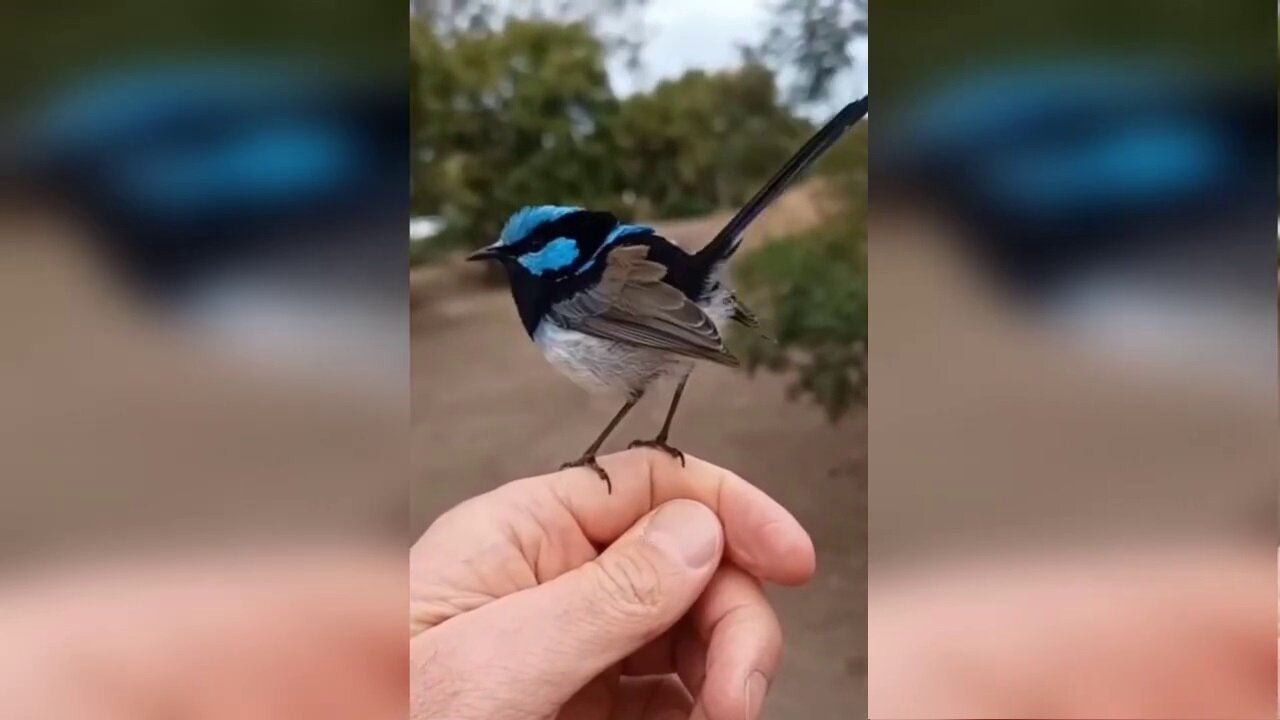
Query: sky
[[684, 34]]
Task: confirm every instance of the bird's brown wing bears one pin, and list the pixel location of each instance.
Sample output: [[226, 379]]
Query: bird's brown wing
[[631, 304]]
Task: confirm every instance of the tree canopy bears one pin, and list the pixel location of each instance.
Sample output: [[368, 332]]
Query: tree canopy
[[525, 114]]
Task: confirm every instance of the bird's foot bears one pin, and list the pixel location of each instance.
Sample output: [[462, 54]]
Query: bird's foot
[[660, 444], [590, 461]]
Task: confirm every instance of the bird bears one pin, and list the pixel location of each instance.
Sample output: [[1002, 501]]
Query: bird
[[616, 307]]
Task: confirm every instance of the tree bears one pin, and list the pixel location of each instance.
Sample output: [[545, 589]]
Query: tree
[[504, 118], [814, 39], [703, 141], [617, 23], [524, 115]]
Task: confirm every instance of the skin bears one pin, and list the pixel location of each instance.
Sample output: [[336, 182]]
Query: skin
[[548, 598], [1171, 630], [308, 632]]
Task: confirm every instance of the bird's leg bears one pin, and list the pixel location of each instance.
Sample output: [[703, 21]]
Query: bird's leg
[[588, 458], [660, 441]]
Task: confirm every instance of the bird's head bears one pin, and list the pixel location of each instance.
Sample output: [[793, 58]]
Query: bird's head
[[549, 243], [544, 246], [540, 243]]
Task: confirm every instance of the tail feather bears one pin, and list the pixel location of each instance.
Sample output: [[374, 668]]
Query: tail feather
[[726, 242], [742, 314]]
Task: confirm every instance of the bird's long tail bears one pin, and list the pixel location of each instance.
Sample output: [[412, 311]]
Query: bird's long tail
[[727, 240]]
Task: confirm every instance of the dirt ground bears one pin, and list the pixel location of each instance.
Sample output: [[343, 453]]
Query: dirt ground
[[479, 385]]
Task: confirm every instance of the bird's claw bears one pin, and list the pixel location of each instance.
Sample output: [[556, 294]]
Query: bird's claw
[[590, 461], [660, 444]]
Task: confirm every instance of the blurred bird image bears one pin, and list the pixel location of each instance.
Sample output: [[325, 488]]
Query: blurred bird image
[[615, 306]]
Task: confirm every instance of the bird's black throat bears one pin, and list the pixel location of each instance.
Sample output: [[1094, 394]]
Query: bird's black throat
[[531, 299]]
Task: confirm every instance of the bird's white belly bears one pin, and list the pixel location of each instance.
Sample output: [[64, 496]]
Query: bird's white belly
[[610, 367], [604, 366]]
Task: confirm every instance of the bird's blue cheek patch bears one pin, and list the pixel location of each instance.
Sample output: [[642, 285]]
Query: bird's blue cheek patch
[[555, 255]]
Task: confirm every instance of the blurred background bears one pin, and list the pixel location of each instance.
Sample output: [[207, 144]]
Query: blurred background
[[672, 114], [1072, 266], [204, 364], [202, 219]]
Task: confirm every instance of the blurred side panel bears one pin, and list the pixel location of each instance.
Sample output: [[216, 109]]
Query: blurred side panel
[[204, 361], [1073, 409]]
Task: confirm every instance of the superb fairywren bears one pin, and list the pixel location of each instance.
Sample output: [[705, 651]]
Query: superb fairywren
[[616, 306]]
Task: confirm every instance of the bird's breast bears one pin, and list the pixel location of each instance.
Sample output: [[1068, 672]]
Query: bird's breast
[[603, 366]]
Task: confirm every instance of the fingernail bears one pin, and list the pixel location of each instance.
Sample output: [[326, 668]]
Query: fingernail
[[688, 527], [757, 688]]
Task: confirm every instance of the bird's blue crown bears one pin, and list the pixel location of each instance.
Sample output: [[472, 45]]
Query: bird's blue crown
[[524, 221], [550, 252]]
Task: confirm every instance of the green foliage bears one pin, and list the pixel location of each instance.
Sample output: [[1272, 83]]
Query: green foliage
[[703, 141], [618, 23], [501, 119], [812, 292], [525, 115]]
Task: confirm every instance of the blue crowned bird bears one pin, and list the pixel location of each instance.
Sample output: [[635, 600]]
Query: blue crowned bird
[[616, 307]]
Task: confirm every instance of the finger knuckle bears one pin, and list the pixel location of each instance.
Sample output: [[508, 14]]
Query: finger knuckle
[[630, 583]]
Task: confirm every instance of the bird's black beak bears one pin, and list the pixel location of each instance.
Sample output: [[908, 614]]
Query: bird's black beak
[[484, 253]]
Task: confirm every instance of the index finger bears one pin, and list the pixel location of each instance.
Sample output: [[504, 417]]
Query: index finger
[[760, 535]]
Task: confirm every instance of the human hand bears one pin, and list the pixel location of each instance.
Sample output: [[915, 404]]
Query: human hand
[[547, 598]]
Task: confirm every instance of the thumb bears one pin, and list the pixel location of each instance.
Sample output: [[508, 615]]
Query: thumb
[[633, 592], [540, 646]]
